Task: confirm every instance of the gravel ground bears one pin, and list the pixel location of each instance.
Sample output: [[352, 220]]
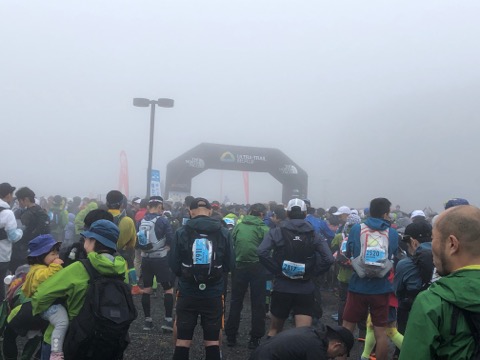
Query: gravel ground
[[158, 345]]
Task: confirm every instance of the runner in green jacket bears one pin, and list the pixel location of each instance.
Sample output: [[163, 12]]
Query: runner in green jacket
[[431, 331]]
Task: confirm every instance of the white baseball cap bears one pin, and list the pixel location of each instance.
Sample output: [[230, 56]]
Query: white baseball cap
[[297, 202], [343, 210], [416, 213]]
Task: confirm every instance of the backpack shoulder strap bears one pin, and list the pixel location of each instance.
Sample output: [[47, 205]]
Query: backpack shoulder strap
[[469, 318], [473, 321], [92, 272], [364, 229]]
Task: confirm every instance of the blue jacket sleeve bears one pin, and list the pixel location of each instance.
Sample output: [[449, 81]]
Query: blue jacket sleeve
[[326, 231], [407, 278], [392, 243], [398, 287]]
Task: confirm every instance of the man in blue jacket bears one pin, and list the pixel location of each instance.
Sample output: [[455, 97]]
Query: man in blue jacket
[[319, 225], [373, 245], [413, 273]]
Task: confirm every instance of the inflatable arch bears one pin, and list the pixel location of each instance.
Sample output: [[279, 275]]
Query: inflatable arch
[[184, 168]]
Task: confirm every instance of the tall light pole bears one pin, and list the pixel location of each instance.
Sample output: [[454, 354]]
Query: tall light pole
[[142, 102]]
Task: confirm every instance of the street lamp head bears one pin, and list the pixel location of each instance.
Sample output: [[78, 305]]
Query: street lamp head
[[141, 102], [166, 103]]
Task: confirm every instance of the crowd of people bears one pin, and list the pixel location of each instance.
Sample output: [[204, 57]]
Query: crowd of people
[[408, 278]]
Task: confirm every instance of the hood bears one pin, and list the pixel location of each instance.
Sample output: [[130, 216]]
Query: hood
[[71, 217], [4, 204], [300, 225], [252, 220], [204, 224], [231, 216], [91, 206], [36, 209], [377, 224], [106, 266], [460, 288]]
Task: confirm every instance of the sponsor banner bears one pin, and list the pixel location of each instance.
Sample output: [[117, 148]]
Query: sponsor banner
[[155, 183]]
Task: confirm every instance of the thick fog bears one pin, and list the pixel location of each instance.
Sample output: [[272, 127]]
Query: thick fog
[[371, 98]]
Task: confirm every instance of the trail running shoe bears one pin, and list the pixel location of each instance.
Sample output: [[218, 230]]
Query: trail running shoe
[[148, 325]]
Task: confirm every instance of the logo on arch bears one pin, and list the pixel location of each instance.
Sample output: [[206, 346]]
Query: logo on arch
[[289, 169], [227, 156]]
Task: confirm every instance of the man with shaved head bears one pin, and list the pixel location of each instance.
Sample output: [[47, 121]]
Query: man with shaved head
[[443, 317]]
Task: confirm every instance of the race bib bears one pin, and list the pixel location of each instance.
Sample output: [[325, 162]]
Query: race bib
[[375, 256], [202, 251], [293, 270]]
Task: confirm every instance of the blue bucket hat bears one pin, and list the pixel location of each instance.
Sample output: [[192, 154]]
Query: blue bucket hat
[[105, 232], [41, 245]]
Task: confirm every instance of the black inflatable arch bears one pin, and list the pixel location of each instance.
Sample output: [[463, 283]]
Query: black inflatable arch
[[184, 168]]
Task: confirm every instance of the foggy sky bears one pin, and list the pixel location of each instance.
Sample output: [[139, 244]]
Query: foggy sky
[[371, 98]]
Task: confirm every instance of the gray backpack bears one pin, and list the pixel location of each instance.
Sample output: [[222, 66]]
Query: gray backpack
[[373, 261]]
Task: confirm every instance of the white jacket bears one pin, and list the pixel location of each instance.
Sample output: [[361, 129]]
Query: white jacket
[[9, 223]]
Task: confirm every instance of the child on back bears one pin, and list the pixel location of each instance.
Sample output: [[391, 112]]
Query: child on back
[[44, 261]]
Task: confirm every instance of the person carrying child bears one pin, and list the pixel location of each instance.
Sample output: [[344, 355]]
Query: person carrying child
[[44, 261]]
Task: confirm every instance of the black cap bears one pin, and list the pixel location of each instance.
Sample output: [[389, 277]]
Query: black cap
[[57, 200], [345, 335], [421, 231], [200, 202], [114, 198], [258, 207], [5, 189], [188, 200]]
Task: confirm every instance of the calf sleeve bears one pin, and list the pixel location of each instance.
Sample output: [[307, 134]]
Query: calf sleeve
[[212, 352], [181, 353], [369, 342], [168, 303], [395, 336]]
